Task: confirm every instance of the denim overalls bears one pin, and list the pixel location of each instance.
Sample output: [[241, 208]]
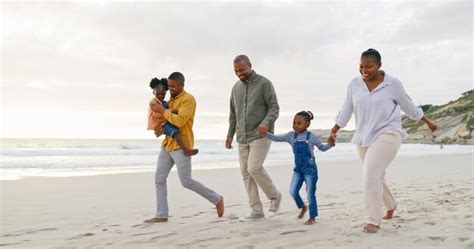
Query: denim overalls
[[169, 129], [305, 171]]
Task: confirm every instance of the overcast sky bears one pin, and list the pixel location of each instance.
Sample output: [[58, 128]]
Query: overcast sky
[[81, 69]]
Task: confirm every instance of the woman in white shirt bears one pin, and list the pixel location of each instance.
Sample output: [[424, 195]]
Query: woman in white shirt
[[376, 99]]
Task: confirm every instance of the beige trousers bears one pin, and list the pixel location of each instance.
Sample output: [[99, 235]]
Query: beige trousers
[[251, 157], [375, 160]]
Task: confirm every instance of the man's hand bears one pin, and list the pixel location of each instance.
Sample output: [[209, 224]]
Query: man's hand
[[262, 130], [228, 143], [156, 106]]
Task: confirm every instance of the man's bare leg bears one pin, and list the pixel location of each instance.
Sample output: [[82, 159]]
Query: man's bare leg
[[310, 221], [220, 207], [302, 212], [187, 151]]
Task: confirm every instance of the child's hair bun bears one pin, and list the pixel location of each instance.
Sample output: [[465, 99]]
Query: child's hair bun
[[306, 115], [155, 82]]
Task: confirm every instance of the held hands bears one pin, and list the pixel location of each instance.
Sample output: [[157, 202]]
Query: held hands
[[332, 139], [262, 130]]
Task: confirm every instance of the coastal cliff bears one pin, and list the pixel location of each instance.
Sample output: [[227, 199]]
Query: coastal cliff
[[455, 121]]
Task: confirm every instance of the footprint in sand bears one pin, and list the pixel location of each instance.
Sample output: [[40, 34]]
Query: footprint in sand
[[81, 236], [216, 221], [152, 239], [233, 205], [437, 238], [462, 239], [10, 244], [291, 232], [245, 247], [194, 215], [30, 232], [140, 234]]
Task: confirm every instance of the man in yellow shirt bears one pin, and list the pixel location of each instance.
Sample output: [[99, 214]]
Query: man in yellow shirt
[[172, 154]]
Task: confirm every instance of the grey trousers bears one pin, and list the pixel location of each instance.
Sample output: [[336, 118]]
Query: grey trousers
[[166, 160]]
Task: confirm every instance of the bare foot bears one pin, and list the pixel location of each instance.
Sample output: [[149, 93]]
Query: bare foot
[[389, 214], [310, 221], [156, 220], [371, 228], [302, 212], [191, 152], [220, 207]]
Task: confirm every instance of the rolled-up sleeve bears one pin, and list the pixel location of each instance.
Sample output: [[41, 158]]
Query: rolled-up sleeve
[[345, 113], [232, 118], [271, 100], [405, 102]]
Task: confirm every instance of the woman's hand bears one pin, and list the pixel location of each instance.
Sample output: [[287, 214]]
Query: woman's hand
[[332, 139], [332, 136], [432, 125]]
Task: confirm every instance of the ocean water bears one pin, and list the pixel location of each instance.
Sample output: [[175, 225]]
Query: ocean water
[[78, 157]]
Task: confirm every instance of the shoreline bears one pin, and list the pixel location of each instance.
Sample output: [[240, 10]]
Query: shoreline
[[65, 173], [435, 210]]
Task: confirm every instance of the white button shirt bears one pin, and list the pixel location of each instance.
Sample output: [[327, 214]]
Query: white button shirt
[[377, 111]]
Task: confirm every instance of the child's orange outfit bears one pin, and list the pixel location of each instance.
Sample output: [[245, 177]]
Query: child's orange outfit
[[155, 119]]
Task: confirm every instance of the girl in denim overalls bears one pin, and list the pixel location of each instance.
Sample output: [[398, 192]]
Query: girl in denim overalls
[[305, 170]]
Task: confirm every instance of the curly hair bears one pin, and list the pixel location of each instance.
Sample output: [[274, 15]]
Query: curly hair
[[307, 115], [155, 82]]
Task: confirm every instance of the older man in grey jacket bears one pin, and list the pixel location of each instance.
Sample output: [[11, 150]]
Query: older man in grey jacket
[[253, 111]]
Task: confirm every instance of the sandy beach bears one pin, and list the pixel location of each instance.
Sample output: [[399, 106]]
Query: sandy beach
[[434, 194]]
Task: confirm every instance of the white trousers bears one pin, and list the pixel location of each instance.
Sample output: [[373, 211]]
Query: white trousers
[[375, 160]]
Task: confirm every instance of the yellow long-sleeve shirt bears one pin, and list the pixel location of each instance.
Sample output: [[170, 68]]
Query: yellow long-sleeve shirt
[[185, 104]]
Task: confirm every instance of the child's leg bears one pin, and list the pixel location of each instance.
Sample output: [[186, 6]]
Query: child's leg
[[173, 132], [295, 186], [310, 180], [187, 151]]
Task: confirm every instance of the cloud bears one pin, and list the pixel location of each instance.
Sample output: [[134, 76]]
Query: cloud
[[86, 56]]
